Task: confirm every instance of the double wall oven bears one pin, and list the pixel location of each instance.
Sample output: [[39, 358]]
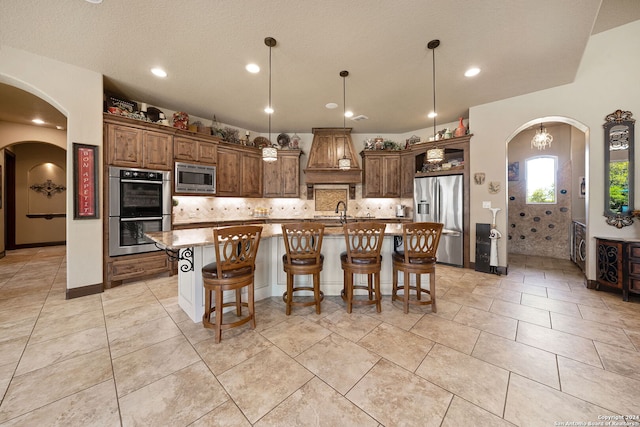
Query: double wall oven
[[139, 202]]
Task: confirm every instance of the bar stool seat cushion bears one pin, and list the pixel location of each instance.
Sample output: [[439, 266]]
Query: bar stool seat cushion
[[399, 257], [302, 261], [210, 271], [363, 261]]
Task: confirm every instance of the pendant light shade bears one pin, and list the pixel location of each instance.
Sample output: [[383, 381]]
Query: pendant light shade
[[344, 163], [269, 153], [541, 139], [434, 155]]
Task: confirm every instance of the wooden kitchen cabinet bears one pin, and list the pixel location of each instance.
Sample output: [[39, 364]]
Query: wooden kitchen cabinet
[[407, 173], [282, 177], [239, 171], [135, 147], [194, 150], [380, 173], [618, 265]]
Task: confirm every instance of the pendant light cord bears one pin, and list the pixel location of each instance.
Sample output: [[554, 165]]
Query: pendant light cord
[[344, 117], [270, 106], [434, 93]]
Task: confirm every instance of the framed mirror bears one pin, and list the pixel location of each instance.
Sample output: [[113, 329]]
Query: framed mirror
[[618, 165]]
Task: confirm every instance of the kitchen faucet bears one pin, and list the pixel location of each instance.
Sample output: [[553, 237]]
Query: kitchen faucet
[[343, 212]]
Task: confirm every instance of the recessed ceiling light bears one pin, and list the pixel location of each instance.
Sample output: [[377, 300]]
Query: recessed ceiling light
[[331, 105], [472, 72], [159, 72], [252, 68], [432, 114], [348, 114], [60, 127], [94, 1], [268, 110], [38, 121]]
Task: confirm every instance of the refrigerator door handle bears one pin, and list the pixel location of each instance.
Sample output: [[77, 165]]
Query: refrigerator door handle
[[423, 207], [438, 208]]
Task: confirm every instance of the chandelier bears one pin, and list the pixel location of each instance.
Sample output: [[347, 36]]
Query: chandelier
[[541, 139]]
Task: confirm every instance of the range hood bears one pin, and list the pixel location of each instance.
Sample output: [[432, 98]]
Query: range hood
[[328, 147]]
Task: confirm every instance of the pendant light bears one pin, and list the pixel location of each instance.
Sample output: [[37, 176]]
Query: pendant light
[[269, 153], [344, 163], [541, 139], [434, 155]]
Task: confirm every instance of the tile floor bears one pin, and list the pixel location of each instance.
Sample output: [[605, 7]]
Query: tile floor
[[532, 348]]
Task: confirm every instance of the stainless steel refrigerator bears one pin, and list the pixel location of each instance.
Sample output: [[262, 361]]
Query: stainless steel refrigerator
[[439, 199]]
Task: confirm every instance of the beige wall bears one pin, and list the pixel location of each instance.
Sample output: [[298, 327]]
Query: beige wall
[[77, 93], [605, 82], [35, 163]]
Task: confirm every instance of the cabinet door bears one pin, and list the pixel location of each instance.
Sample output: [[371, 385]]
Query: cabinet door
[[609, 266], [372, 177], [185, 149], [290, 176], [228, 173], [391, 176], [207, 152], [125, 146], [158, 150], [251, 170], [272, 181], [407, 174]]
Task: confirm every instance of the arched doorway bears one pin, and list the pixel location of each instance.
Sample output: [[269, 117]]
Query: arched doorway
[[543, 226]]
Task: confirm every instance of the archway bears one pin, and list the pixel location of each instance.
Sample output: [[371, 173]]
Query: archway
[[544, 229]]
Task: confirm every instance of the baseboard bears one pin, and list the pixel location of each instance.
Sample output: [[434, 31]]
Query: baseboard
[[83, 291], [3, 254], [37, 245]]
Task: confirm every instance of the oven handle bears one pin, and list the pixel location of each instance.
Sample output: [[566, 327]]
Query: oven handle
[[141, 219], [143, 181]]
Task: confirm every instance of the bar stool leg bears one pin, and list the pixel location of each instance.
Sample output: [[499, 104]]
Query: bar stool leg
[[218, 310], [370, 285], [348, 282], [251, 306], [418, 287], [407, 291], [289, 293], [377, 292], [432, 291], [316, 291], [394, 287]]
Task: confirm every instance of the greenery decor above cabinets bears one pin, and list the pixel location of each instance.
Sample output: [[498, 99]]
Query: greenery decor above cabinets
[[282, 177]]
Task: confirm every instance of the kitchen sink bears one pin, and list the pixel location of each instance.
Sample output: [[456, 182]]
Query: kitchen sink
[[330, 216]]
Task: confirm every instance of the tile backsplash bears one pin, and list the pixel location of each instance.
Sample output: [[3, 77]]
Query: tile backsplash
[[202, 209]]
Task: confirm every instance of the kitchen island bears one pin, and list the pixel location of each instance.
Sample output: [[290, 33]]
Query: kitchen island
[[193, 248]]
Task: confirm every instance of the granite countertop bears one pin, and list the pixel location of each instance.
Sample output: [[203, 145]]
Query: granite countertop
[[277, 219], [177, 239]]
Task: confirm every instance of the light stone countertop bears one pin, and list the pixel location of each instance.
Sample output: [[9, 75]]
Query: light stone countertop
[[192, 237], [277, 219]]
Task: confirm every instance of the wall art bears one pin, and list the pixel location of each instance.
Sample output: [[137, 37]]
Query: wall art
[[85, 181]]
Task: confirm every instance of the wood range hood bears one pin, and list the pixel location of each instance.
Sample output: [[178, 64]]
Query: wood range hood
[[328, 147]]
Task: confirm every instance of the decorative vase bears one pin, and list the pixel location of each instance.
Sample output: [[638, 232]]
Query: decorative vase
[[460, 130]]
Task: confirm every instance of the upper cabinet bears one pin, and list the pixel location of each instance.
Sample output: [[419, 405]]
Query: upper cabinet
[[131, 146], [381, 173], [195, 150], [239, 171], [282, 177]]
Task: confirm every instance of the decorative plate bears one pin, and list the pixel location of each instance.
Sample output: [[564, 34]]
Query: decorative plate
[[261, 142], [283, 140]]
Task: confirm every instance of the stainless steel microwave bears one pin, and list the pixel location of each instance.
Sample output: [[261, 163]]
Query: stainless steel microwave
[[195, 179]]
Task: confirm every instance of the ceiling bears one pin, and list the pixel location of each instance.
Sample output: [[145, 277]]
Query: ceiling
[[521, 46]]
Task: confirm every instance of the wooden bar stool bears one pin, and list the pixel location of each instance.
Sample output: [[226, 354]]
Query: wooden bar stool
[[364, 242], [303, 243], [420, 241], [232, 270]]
